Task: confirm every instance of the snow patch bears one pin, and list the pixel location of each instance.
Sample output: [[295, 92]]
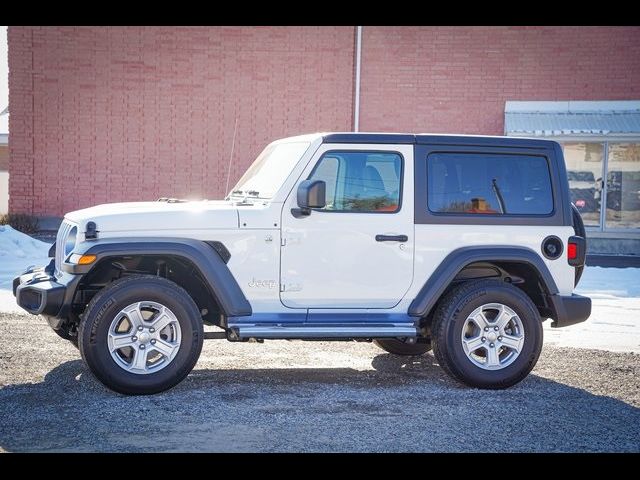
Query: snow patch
[[599, 282], [614, 325], [8, 303], [19, 251]]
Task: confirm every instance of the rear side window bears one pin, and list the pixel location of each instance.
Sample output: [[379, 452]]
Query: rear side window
[[480, 183]]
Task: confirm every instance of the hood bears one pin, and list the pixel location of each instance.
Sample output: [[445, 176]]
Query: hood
[[154, 216]]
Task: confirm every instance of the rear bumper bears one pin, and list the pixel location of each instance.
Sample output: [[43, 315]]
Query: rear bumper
[[570, 309], [40, 293]]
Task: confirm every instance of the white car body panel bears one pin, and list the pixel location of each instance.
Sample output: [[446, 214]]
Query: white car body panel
[[332, 260], [435, 242], [254, 263], [170, 218]]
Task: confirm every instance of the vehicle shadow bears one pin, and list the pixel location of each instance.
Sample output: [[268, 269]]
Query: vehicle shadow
[[402, 404]]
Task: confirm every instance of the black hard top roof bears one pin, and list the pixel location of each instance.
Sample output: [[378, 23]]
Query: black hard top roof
[[435, 138]]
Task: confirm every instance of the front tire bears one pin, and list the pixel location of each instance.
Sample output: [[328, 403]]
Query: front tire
[[398, 347], [487, 334], [141, 335], [63, 333]]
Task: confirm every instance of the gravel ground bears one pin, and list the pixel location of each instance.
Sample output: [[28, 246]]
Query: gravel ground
[[312, 396]]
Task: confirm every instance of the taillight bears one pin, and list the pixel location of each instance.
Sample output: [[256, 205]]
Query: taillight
[[576, 251]]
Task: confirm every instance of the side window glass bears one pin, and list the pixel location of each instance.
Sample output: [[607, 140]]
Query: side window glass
[[327, 170], [367, 182], [475, 183]]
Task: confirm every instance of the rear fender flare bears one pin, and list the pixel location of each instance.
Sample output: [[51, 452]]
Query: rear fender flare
[[453, 263]]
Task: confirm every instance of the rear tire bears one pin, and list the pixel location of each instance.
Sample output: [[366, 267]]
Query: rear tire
[[479, 349], [398, 347], [151, 360]]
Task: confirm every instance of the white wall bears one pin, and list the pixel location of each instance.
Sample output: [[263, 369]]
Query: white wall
[[4, 80], [4, 192], [4, 127]]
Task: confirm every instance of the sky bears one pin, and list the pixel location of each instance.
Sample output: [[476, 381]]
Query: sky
[[4, 80]]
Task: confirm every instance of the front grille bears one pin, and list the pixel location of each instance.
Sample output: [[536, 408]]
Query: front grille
[[61, 240]]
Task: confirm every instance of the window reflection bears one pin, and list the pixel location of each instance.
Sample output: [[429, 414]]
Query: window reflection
[[584, 172], [623, 186], [489, 184], [360, 181]]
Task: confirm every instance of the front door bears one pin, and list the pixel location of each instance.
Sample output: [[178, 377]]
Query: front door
[[357, 251]]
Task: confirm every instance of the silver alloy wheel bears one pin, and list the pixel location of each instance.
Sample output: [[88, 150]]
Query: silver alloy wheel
[[144, 337], [493, 336]]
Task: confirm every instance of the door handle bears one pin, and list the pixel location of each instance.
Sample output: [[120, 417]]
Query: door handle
[[392, 238]]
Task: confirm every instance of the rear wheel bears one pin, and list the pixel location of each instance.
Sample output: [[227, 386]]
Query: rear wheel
[[487, 334], [141, 335], [398, 347]]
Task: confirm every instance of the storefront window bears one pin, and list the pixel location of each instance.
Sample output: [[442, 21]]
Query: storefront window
[[623, 186], [584, 171]]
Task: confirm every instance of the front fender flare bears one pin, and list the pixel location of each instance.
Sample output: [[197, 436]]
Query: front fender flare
[[204, 257]]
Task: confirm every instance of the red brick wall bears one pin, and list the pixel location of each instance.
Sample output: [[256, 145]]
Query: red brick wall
[[457, 79], [113, 114], [21, 124]]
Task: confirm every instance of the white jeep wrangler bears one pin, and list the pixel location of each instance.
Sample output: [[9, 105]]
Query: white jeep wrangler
[[460, 243]]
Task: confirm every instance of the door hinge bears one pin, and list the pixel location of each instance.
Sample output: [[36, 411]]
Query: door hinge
[[290, 238], [290, 287]]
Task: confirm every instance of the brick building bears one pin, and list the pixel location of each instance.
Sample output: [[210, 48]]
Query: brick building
[[134, 113]]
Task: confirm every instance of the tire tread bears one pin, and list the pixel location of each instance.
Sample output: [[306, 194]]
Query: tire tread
[[98, 302], [449, 306]]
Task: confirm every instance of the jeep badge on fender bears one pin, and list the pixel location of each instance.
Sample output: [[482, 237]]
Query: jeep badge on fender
[[463, 244]]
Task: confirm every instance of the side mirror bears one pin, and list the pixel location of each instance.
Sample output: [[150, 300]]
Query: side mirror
[[311, 194]]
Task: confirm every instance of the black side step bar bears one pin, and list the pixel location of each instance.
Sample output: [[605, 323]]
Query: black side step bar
[[215, 335]]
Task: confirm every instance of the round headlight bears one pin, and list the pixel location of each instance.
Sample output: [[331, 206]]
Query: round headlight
[[70, 243]]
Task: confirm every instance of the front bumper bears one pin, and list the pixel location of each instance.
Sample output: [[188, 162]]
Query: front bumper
[[39, 292], [570, 309]]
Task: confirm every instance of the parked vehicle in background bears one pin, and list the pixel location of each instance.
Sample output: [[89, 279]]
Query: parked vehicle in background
[[584, 191], [463, 244], [623, 191]]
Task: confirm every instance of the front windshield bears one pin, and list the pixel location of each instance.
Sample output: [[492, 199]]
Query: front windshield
[[269, 170]]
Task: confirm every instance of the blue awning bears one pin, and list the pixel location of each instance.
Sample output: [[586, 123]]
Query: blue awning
[[548, 119]]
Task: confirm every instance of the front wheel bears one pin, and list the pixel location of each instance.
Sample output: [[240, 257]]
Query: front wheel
[[487, 334], [141, 335], [64, 333]]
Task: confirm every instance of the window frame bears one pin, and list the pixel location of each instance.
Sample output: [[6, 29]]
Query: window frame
[[559, 190], [328, 153]]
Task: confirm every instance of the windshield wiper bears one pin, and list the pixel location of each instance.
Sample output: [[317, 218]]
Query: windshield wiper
[[496, 190], [238, 192], [254, 193]]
